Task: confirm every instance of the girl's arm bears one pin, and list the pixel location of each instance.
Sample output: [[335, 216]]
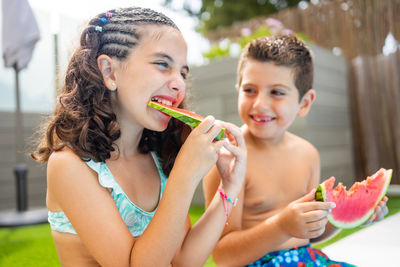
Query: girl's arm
[[204, 235], [94, 215]]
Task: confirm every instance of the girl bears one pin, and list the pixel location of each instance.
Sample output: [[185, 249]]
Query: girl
[[109, 154]]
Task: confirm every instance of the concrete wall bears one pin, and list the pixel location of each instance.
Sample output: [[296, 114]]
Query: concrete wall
[[327, 126], [36, 172]]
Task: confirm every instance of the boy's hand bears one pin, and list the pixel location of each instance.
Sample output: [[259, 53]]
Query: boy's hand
[[232, 159], [304, 217], [381, 210]]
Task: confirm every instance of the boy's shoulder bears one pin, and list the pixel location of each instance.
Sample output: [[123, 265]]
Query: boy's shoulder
[[303, 145]]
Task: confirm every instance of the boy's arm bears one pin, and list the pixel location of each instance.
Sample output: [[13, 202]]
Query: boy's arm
[[330, 230], [238, 247]]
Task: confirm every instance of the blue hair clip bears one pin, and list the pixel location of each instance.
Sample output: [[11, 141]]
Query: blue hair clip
[[104, 20], [98, 29]]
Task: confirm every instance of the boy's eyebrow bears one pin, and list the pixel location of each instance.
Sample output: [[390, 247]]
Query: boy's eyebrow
[[167, 57], [280, 85], [272, 85]]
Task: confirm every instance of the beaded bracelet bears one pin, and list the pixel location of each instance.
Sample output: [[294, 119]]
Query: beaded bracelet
[[225, 197]]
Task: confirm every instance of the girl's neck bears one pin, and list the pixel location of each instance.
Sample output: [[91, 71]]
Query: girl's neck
[[128, 142]]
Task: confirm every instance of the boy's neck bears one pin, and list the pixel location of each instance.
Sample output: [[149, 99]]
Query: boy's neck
[[262, 143]]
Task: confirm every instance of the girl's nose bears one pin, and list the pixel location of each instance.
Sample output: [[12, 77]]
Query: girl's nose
[[177, 82]]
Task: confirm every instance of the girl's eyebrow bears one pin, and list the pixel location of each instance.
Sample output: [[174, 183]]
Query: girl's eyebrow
[[166, 57]]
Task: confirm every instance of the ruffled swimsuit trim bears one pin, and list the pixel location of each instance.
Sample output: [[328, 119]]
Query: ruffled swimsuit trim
[[134, 217]]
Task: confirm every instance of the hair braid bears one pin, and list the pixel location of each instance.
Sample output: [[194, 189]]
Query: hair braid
[[84, 119]]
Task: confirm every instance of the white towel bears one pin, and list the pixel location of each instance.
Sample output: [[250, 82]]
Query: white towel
[[20, 33]]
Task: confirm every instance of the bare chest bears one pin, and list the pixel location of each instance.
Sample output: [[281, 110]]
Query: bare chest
[[271, 185]]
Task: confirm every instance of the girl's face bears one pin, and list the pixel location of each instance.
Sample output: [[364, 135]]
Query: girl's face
[[268, 99], [155, 70]]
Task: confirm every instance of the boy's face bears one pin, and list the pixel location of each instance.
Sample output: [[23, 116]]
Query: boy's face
[[268, 99]]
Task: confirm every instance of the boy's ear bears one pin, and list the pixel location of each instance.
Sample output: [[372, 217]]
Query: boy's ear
[[306, 102], [107, 69]]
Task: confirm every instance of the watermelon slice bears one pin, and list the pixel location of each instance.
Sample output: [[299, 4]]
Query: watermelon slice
[[190, 118], [356, 205]]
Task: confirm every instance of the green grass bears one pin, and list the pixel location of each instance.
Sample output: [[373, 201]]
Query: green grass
[[27, 246], [34, 246]]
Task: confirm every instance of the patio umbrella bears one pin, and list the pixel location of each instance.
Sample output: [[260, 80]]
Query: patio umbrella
[[20, 32]]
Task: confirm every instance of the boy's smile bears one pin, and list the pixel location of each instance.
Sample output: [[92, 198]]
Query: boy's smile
[[268, 99], [261, 119]]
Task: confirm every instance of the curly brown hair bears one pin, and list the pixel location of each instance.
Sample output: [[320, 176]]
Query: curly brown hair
[[83, 118], [281, 50]]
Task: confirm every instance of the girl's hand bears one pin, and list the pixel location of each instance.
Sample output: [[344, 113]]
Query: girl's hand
[[232, 159], [381, 210], [199, 152], [304, 217]]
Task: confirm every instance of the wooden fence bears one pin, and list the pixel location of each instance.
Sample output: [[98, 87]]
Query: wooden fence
[[375, 96]]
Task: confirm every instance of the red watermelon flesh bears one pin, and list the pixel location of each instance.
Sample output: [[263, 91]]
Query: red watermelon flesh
[[356, 205]]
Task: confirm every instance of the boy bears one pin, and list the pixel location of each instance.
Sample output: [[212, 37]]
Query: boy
[[276, 216]]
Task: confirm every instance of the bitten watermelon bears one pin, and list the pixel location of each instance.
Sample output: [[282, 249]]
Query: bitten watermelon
[[356, 205], [190, 118]]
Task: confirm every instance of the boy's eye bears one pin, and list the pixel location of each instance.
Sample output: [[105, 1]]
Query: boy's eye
[[249, 90], [277, 93]]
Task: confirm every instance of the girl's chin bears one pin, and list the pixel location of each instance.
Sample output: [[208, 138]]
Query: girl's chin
[[161, 126]]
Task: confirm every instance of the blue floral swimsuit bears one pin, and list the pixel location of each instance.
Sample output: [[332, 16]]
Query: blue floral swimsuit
[[134, 217], [305, 256]]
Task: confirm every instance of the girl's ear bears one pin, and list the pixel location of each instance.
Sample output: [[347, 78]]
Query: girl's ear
[[107, 69], [306, 102]]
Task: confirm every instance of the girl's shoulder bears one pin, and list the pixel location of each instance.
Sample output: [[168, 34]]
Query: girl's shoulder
[[64, 158], [67, 174], [66, 165]]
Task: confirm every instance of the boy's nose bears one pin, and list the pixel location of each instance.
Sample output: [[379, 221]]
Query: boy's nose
[[262, 102]]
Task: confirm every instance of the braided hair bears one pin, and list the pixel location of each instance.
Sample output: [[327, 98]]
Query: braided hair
[[83, 118]]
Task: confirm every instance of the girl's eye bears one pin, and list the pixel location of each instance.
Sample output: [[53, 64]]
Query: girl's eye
[[162, 65], [184, 74]]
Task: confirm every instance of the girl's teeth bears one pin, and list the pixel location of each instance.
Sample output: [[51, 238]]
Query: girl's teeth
[[162, 101]]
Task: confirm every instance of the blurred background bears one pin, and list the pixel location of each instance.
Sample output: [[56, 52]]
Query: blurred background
[[354, 122]]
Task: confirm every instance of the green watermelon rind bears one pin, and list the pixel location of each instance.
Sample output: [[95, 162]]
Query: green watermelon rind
[[320, 195], [189, 120]]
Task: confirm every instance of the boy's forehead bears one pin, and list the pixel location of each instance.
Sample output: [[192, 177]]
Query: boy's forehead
[[254, 70]]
